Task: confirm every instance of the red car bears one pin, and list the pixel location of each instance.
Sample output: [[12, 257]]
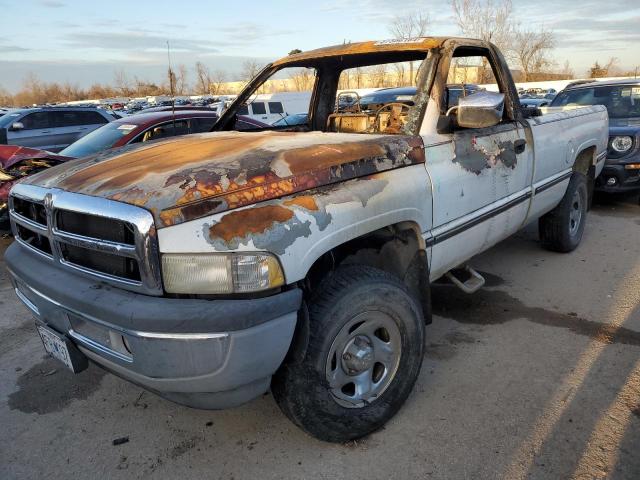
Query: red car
[[18, 162]]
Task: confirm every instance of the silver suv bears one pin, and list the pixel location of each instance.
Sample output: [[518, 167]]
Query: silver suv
[[50, 128]]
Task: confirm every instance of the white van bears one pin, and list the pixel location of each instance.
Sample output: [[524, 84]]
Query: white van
[[264, 111]]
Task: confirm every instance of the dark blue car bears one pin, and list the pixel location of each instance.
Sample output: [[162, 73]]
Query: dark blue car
[[621, 173], [377, 99]]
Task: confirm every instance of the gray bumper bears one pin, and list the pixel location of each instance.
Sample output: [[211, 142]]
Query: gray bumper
[[202, 353]]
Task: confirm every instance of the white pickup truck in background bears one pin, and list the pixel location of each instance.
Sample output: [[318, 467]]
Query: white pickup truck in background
[[212, 267]]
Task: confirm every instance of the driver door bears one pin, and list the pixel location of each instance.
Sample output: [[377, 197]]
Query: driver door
[[481, 176]]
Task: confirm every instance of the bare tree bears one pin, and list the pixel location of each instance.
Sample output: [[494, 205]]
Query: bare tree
[[303, 79], [399, 74], [606, 70], [358, 75], [344, 82], [567, 71], [250, 69], [203, 76], [217, 81], [411, 25], [612, 66], [122, 83], [487, 20], [531, 50], [6, 99], [181, 80], [378, 76]]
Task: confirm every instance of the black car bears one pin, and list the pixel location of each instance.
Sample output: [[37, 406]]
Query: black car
[[621, 173], [375, 100]]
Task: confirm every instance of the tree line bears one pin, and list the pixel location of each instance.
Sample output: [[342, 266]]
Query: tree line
[[35, 91]]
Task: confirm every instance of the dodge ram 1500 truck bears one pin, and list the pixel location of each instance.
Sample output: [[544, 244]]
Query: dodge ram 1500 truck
[[212, 267]]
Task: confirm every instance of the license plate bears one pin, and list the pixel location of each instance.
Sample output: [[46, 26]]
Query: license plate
[[56, 346]]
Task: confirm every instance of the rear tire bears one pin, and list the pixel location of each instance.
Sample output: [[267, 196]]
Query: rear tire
[[366, 343], [561, 229]]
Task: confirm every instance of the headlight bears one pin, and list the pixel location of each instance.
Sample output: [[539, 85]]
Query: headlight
[[211, 273], [621, 144]]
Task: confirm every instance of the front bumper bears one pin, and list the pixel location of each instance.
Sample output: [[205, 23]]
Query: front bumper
[[626, 181], [201, 353]]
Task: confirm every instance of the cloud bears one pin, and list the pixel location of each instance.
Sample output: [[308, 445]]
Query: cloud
[[52, 4], [244, 33], [174, 25], [5, 48], [148, 41], [136, 42]]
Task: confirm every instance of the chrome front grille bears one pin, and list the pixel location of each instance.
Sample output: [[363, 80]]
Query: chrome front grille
[[101, 238]]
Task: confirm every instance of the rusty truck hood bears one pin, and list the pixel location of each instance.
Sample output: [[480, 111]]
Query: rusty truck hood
[[193, 176]]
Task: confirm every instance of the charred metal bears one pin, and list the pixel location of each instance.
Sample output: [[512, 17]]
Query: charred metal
[[277, 224]]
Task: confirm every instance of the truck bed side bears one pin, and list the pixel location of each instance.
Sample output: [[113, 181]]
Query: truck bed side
[[568, 133]]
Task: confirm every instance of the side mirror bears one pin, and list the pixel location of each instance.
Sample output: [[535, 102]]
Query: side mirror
[[17, 126], [479, 110]]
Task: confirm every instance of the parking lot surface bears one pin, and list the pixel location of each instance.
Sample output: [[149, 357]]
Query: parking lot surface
[[535, 376]]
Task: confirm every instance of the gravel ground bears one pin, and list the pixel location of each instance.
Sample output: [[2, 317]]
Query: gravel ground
[[536, 376]]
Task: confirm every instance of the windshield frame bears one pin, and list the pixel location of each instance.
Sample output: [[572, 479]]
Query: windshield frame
[[328, 70]]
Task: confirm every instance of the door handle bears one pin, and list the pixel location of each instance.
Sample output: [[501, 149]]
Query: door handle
[[45, 131], [519, 145]]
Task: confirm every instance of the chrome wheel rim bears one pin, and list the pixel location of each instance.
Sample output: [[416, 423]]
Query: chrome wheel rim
[[575, 213], [363, 359]]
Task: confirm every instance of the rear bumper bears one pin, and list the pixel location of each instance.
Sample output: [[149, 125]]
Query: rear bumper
[[201, 353], [626, 181]]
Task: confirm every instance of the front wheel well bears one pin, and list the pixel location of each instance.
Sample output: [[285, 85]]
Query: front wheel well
[[398, 249]]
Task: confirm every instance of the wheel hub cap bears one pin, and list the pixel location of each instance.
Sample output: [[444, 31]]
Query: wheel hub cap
[[358, 355], [363, 359], [575, 213]]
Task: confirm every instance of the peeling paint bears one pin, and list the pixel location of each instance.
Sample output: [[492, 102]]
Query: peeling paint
[[277, 224], [242, 223], [194, 176], [478, 153]]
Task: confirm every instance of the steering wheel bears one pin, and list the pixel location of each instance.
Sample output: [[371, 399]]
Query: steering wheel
[[394, 120]]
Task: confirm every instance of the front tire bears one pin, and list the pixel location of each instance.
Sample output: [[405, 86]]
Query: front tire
[[366, 344], [561, 229]]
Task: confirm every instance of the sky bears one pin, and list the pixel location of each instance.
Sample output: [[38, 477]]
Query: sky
[[86, 41]]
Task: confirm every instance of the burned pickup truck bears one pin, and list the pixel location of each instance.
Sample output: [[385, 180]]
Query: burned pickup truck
[[212, 267]]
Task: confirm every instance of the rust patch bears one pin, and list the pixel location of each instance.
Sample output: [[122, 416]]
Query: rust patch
[[304, 201], [306, 211], [251, 221], [358, 48], [132, 167], [321, 157], [195, 176], [287, 172]]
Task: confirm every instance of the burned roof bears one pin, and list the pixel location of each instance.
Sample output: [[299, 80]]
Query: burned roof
[[416, 45]]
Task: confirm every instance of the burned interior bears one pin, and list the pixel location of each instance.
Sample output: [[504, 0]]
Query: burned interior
[[335, 105]]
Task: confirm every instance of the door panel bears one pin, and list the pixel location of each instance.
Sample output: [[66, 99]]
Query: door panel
[[481, 189], [481, 177], [38, 132]]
